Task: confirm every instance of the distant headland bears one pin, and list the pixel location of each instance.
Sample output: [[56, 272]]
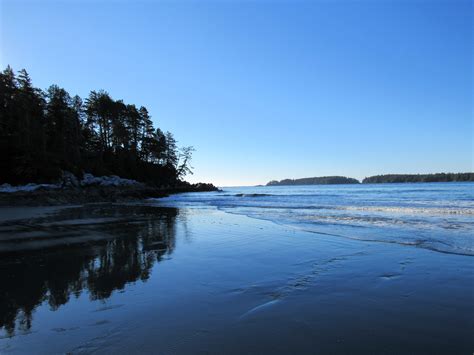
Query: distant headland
[[323, 180], [440, 177], [376, 179]]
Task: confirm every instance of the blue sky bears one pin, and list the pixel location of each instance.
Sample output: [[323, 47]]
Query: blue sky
[[269, 89]]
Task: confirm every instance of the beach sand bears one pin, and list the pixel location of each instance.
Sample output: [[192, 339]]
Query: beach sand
[[137, 278]]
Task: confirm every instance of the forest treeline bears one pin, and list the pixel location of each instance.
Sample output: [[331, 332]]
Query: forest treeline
[[43, 133], [390, 178], [441, 177]]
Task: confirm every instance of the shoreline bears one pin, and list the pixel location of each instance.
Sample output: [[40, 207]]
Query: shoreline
[[94, 194]]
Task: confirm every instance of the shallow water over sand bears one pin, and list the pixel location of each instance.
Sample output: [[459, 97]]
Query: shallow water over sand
[[435, 216], [141, 278]]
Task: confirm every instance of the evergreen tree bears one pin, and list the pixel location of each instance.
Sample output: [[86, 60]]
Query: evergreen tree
[[184, 167], [42, 134], [170, 152]]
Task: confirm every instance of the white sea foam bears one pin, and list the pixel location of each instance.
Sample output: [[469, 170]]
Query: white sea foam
[[411, 210], [436, 216]]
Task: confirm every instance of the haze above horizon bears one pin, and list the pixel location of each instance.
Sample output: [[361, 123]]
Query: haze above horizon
[[268, 90]]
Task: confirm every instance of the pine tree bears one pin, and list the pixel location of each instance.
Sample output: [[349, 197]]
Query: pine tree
[[42, 133]]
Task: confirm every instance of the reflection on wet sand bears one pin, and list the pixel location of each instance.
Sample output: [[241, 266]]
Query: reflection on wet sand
[[55, 257]]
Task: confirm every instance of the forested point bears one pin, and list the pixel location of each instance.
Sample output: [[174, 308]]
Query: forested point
[[400, 178], [323, 180], [389, 178], [43, 133]]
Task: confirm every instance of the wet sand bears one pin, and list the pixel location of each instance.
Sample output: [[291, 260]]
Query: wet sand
[[138, 278]]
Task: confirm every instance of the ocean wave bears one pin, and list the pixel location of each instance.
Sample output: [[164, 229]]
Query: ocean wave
[[444, 236], [399, 210], [412, 210], [370, 221], [437, 220]]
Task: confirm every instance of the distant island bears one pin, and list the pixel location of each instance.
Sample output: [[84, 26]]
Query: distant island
[[400, 178], [323, 180], [376, 179]]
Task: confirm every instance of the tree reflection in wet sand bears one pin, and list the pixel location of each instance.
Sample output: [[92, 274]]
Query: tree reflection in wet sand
[[97, 248]]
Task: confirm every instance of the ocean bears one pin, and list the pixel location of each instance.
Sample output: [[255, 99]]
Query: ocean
[[436, 216], [346, 269]]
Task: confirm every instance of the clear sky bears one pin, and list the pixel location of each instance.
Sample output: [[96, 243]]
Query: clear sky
[[269, 89]]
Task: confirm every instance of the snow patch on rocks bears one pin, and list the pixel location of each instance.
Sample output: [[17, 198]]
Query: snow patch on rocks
[[113, 180], [7, 188], [69, 180]]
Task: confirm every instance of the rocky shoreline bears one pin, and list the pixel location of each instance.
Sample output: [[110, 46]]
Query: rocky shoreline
[[90, 189], [94, 194]]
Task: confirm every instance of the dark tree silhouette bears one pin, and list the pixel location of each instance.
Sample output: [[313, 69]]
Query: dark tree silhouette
[[45, 133], [323, 180], [399, 178]]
